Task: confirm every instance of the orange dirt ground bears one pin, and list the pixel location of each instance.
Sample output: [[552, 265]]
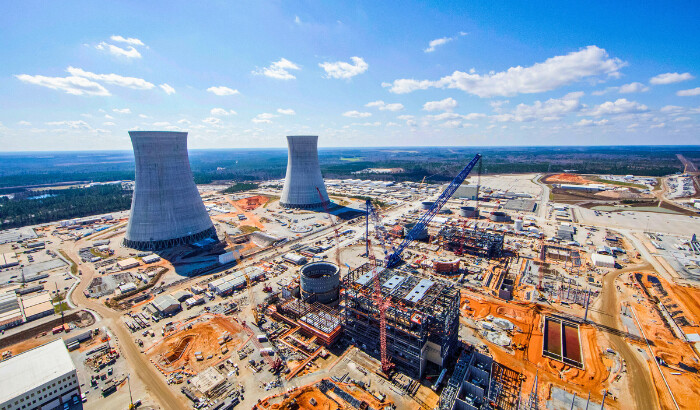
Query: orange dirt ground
[[685, 386], [567, 179], [527, 318], [202, 337]]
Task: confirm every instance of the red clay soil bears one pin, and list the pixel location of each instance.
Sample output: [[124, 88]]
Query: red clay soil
[[567, 179]]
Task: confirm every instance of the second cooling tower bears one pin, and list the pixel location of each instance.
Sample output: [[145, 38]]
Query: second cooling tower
[[303, 175], [166, 209]]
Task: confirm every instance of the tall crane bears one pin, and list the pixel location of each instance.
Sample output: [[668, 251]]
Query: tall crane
[[335, 228], [394, 258]]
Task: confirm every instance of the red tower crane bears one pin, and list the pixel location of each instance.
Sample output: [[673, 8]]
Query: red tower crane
[[382, 305]]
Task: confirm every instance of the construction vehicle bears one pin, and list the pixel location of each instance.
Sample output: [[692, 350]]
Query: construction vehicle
[[267, 288]]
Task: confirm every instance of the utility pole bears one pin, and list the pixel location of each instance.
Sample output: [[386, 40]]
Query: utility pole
[[131, 399]]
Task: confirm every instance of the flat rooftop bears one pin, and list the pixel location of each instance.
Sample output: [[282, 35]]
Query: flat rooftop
[[33, 368]]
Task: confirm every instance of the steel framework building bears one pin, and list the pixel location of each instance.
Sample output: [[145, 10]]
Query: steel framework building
[[422, 319], [472, 241], [166, 208], [304, 180]]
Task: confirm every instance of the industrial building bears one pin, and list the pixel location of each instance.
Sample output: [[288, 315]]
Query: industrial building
[[8, 260], [422, 317], [469, 192], [40, 378], [462, 240], [314, 319], [603, 261], [304, 180], [166, 208], [166, 305], [320, 282], [236, 280]]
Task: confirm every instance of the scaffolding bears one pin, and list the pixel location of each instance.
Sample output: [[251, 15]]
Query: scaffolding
[[461, 239], [422, 317]]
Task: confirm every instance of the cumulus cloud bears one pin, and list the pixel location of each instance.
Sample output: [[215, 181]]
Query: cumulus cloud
[[279, 70], [448, 104], [24, 123], [670, 78], [264, 118], [129, 52], [167, 88], [553, 73], [633, 88], [356, 114], [620, 106], [286, 111], [75, 125], [161, 124], [114, 79], [108, 123], [589, 123], [221, 90], [71, 85], [367, 124], [552, 109], [130, 40], [212, 121], [184, 121], [344, 70], [689, 93], [441, 41], [381, 105], [220, 112], [122, 110]]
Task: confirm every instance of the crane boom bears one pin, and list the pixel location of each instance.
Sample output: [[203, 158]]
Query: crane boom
[[395, 258]]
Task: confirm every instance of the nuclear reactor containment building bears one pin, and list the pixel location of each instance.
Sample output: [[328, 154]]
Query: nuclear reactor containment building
[[166, 209], [303, 175]]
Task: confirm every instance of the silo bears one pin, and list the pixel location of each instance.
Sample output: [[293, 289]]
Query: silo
[[518, 224], [166, 208], [426, 205], [469, 212], [320, 282], [303, 174]]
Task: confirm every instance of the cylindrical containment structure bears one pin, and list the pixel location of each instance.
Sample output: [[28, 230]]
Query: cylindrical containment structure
[[303, 175], [499, 216], [166, 208], [422, 235], [320, 282], [468, 211], [518, 225], [427, 205]]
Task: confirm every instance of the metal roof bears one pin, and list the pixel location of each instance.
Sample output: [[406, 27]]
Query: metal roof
[[394, 281], [419, 290]]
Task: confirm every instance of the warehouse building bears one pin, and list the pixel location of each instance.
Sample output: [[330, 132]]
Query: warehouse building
[[603, 261], [236, 280], [37, 306], [166, 305], [40, 378], [8, 260], [10, 312], [294, 258], [469, 192], [128, 263]]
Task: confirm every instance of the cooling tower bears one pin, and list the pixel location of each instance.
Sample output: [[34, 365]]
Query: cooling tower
[[303, 174], [166, 209]]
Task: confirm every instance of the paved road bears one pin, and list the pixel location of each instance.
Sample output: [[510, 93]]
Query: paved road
[[142, 367], [544, 199], [607, 312]]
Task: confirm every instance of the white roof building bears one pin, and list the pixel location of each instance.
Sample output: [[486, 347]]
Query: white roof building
[[603, 261], [43, 377]]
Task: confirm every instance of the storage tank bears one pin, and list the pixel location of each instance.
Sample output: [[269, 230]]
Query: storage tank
[[427, 205], [468, 211], [166, 208], [499, 216], [304, 180], [322, 280], [518, 224]]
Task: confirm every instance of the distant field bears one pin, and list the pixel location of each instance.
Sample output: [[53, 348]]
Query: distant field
[[351, 159]]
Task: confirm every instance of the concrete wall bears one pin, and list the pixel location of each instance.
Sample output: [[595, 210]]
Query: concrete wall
[[303, 174], [166, 208]]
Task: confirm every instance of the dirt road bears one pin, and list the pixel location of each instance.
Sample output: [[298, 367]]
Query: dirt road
[[607, 313], [142, 368]]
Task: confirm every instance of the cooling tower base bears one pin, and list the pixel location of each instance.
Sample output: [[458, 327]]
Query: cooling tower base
[[317, 205], [169, 243]]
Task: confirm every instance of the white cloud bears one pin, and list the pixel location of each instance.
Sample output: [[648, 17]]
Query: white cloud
[[161, 124], [122, 110], [286, 111], [553, 73], [356, 114], [279, 70], [682, 119], [76, 125], [620, 106], [384, 106], [130, 52], [437, 42], [633, 88], [71, 85], [589, 123], [297, 20], [367, 124], [473, 116], [24, 123], [670, 78], [660, 125], [689, 93], [212, 121], [221, 90], [405, 117], [144, 116], [220, 112], [114, 79], [130, 40], [550, 110], [341, 69], [108, 123], [184, 121], [109, 117], [167, 88], [264, 118], [448, 104]]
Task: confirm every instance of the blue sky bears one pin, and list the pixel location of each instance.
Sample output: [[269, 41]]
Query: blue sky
[[77, 75]]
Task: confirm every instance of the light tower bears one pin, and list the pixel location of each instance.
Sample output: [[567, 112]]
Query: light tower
[[303, 175], [166, 209]]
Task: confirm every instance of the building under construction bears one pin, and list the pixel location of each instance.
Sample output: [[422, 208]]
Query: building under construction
[[422, 317], [462, 240]]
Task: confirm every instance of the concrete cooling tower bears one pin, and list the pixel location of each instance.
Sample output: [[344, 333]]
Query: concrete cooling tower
[[303, 175], [166, 209]]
